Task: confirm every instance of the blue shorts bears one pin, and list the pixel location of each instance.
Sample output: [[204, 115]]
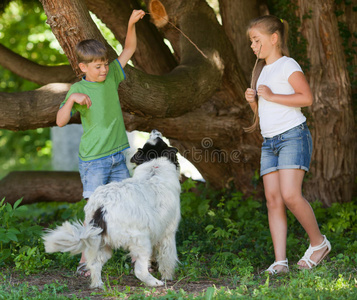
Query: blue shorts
[[291, 149], [102, 171]]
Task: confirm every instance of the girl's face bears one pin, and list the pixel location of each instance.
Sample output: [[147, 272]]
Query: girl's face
[[263, 42]]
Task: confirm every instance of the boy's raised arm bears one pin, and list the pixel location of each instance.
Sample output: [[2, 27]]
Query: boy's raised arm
[[130, 41]]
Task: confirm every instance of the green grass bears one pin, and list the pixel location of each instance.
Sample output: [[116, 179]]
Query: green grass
[[223, 241]]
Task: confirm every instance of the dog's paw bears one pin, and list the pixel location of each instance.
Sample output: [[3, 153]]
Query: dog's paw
[[166, 275], [97, 285], [167, 278], [155, 283]]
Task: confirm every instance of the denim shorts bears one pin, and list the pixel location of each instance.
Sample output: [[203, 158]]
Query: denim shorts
[[291, 149], [102, 171]]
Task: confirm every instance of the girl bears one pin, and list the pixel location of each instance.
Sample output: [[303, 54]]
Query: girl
[[278, 91]]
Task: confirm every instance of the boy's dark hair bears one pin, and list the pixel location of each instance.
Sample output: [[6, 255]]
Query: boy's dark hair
[[90, 50]]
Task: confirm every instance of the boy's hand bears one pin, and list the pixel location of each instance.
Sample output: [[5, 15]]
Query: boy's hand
[[250, 95], [136, 15], [81, 99]]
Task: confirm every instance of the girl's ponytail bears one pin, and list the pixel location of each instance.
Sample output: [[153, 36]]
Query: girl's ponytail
[[284, 38], [255, 75]]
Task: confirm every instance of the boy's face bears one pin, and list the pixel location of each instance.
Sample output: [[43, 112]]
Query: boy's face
[[95, 71]]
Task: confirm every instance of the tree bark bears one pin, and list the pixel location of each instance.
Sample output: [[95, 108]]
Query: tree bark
[[235, 24], [63, 18], [41, 186], [333, 162], [32, 109], [348, 17], [32, 71]]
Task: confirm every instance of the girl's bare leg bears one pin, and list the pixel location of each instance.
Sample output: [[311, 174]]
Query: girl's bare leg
[[291, 184], [276, 216]]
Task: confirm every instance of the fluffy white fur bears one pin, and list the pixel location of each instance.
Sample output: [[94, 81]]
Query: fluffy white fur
[[141, 213]]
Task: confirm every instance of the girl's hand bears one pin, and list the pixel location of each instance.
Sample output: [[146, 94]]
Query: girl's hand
[[136, 15], [265, 92], [81, 99], [250, 95]]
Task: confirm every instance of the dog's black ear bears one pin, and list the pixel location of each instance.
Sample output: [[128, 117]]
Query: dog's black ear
[[172, 150], [138, 157], [170, 153]]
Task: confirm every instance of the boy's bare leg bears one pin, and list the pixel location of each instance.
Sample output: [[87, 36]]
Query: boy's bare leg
[[83, 260]]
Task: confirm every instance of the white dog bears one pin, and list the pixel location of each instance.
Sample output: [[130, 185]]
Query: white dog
[[140, 214]]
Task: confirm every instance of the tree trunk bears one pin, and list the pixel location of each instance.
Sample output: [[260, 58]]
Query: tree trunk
[[199, 104], [41, 186], [235, 24], [333, 161], [63, 16]]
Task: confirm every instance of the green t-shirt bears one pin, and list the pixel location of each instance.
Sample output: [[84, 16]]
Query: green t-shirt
[[103, 125]]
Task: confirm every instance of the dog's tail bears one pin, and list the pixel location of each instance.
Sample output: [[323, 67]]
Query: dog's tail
[[73, 238]]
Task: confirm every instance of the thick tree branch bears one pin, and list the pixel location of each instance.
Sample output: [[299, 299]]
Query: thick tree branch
[[32, 71], [37, 186], [32, 109]]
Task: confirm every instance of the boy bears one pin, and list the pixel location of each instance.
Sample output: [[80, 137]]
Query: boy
[[96, 98]]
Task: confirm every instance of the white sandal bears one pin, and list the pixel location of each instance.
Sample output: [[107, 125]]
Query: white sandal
[[283, 263], [306, 258]]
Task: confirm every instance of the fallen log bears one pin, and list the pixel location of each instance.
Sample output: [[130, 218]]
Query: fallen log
[[41, 186]]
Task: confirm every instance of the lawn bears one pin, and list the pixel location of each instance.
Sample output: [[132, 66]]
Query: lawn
[[223, 245]]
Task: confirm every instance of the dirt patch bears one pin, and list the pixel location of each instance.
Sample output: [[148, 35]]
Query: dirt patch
[[79, 286]]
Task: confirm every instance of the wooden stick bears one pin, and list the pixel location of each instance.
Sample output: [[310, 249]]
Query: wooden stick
[[199, 50]]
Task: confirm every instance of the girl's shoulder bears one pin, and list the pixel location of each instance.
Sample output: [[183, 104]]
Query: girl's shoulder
[[290, 66], [286, 60], [282, 62]]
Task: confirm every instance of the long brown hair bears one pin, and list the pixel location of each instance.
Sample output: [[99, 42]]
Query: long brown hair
[[267, 24]]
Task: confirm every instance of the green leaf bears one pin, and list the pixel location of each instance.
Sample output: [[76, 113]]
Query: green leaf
[[4, 238], [209, 228], [12, 236], [5, 254], [17, 203], [209, 293], [13, 231], [8, 207]]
